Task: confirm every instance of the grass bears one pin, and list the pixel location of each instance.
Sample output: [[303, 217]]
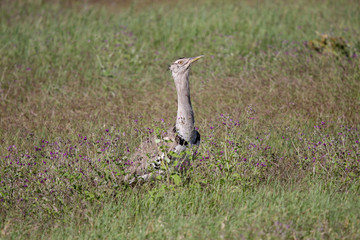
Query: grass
[[82, 84], [223, 211]]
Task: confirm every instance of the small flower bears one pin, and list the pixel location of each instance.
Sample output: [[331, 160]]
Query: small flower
[[107, 130]]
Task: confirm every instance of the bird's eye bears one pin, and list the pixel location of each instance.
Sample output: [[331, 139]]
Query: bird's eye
[[180, 62]]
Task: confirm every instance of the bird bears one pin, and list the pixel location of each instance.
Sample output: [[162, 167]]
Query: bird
[[150, 157]]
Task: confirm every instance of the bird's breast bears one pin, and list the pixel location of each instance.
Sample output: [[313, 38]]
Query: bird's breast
[[185, 126]]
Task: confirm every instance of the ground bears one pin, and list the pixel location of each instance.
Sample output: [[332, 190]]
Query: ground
[[276, 101]]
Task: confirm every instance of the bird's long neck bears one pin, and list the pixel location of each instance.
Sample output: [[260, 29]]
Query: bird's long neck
[[185, 114]]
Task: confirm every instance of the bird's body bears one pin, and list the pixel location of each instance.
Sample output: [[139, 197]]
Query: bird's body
[[147, 160]]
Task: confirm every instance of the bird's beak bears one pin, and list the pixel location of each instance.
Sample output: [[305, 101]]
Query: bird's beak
[[194, 59]]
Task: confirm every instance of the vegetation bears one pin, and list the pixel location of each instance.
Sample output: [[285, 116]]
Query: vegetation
[[276, 101]]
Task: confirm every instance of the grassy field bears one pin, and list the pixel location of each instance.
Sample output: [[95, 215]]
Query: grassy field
[[276, 101]]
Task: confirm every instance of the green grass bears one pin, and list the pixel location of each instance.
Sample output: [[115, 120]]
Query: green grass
[[222, 211], [82, 84]]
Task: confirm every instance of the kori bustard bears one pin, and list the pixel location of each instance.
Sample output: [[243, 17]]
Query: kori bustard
[[147, 161]]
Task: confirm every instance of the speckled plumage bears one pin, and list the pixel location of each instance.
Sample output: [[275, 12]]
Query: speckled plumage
[[147, 160]]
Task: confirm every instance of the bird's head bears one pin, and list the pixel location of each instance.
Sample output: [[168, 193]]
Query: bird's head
[[182, 65]]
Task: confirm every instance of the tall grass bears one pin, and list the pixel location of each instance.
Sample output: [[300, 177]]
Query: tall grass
[[82, 84], [223, 211]]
